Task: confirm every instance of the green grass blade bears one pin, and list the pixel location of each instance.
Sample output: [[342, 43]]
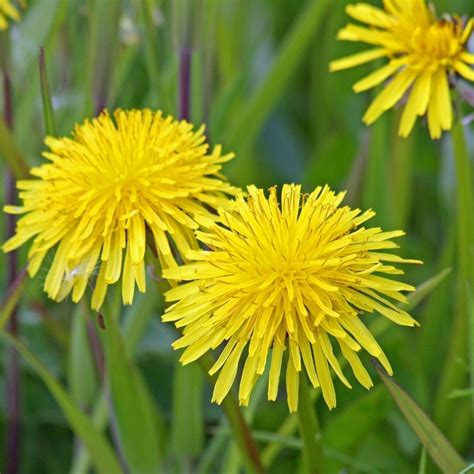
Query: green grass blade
[[423, 290], [48, 112], [187, 434], [102, 456], [133, 414], [82, 377], [435, 443]]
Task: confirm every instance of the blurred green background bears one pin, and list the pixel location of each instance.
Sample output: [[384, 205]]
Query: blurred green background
[[260, 82]]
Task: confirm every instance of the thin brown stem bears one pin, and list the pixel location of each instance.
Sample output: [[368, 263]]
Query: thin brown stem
[[13, 436]]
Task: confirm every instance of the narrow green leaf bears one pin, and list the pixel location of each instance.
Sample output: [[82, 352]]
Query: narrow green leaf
[[423, 290], [132, 411], [13, 297], [422, 466], [10, 152], [48, 112], [461, 393], [136, 322], [98, 447], [187, 434], [82, 377], [435, 443]]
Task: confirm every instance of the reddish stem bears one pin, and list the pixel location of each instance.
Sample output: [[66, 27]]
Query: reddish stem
[[13, 365], [184, 96]]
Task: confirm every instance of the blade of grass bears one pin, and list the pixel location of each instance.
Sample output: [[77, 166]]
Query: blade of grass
[[136, 323], [48, 112], [82, 377], [98, 447], [433, 440], [131, 405], [187, 423], [453, 374]]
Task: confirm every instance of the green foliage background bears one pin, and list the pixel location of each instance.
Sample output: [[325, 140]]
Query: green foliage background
[[261, 84]]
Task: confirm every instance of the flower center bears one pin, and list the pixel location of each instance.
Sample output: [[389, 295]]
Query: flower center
[[440, 42]]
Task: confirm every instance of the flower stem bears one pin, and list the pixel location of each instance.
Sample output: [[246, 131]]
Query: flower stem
[[241, 432], [13, 366], [309, 429], [453, 373], [184, 97]]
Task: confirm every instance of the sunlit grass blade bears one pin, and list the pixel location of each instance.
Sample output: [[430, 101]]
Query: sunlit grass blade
[[99, 449], [133, 414], [12, 298], [48, 112], [435, 443]]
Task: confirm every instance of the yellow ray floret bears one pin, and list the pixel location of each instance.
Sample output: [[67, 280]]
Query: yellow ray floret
[[105, 188], [292, 275], [7, 11], [422, 52]]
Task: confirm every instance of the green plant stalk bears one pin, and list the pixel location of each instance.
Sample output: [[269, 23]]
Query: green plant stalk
[[453, 375], [309, 430], [241, 432]]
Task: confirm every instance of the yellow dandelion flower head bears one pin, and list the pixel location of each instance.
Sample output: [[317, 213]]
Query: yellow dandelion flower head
[[115, 181], [296, 274], [8, 10], [422, 52]]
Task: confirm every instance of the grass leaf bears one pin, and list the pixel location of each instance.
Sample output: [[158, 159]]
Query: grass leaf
[[435, 443], [133, 413], [101, 454]]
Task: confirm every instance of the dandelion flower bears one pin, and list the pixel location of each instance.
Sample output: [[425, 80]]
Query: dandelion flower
[[7, 10], [296, 275], [115, 181], [423, 52]]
